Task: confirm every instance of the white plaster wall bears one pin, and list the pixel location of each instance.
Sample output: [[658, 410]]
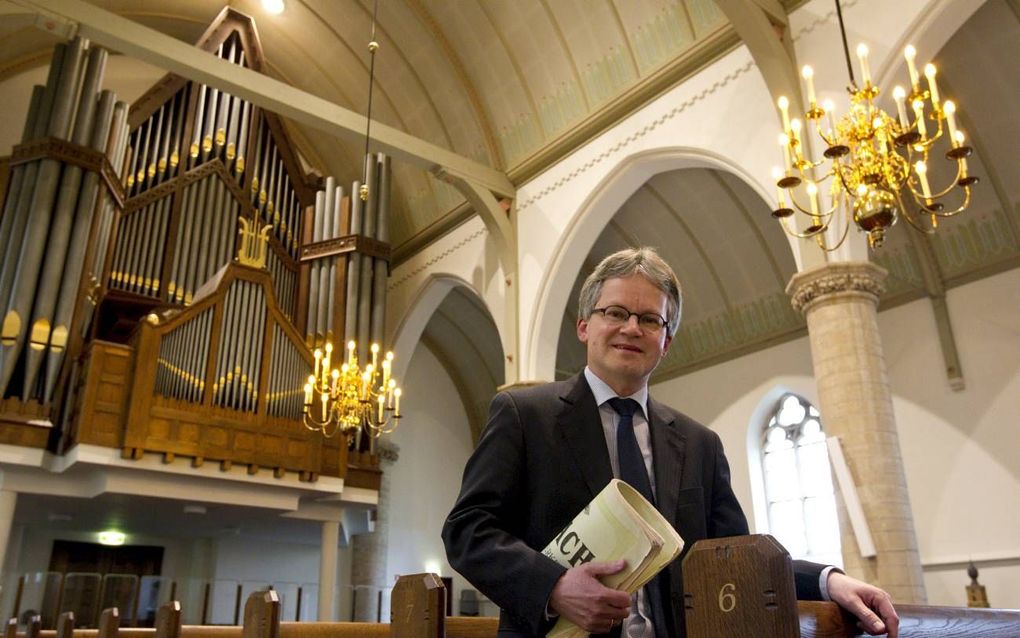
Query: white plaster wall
[[256, 563], [960, 449], [435, 441], [245, 559], [465, 256]]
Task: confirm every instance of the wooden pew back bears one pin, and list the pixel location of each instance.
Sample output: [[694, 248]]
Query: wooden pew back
[[262, 620]]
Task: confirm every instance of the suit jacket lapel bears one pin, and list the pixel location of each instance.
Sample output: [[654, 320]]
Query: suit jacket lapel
[[581, 428], [668, 447]]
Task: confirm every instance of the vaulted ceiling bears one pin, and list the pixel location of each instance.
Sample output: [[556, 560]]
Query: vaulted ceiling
[[516, 84], [513, 85]]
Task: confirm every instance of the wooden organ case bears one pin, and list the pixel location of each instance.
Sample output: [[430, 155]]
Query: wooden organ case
[[177, 347]]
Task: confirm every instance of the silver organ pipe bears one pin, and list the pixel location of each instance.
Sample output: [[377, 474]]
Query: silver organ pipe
[[205, 214], [242, 144], [180, 372], [196, 142], [336, 231], [382, 233], [117, 151], [199, 214], [23, 259], [288, 372], [325, 300], [48, 217], [18, 215], [239, 363], [59, 240], [353, 268], [371, 209], [311, 330], [17, 176], [284, 283]]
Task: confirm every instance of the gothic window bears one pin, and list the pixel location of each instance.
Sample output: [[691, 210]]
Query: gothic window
[[798, 483]]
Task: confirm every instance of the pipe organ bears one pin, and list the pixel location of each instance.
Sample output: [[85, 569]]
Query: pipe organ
[[126, 242]]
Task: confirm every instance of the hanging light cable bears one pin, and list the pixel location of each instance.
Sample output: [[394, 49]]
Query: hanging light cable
[[373, 46]]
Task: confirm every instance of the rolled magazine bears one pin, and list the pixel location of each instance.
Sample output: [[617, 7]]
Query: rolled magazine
[[618, 523]]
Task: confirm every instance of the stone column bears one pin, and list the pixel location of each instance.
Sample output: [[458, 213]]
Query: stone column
[[368, 551], [839, 301], [327, 570]]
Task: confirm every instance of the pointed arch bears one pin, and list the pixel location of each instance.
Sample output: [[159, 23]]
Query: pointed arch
[[592, 216]]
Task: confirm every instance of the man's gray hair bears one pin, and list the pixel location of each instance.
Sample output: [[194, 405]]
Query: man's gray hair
[[624, 263]]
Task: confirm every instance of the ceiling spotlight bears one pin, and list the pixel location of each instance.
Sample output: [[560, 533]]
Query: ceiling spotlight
[[112, 537], [274, 7]]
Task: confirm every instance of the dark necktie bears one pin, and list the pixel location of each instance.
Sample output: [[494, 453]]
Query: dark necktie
[[628, 453], [633, 471]]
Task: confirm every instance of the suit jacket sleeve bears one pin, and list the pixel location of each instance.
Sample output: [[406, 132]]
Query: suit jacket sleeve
[[484, 533]]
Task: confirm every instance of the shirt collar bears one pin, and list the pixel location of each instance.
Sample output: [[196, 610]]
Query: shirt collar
[[603, 392]]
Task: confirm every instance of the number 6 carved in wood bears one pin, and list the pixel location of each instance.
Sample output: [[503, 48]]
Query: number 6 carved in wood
[[727, 599]]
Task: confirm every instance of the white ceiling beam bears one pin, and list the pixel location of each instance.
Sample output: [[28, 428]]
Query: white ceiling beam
[[765, 31], [774, 10], [137, 41]]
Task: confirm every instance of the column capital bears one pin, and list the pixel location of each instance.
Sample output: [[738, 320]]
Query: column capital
[[854, 278]]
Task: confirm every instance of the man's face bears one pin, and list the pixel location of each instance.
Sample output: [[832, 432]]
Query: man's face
[[624, 355]]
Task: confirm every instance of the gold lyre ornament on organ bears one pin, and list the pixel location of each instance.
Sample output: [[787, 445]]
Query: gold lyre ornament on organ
[[347, 398], [878, 165]]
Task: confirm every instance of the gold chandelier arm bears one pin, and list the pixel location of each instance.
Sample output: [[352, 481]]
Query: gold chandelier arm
[[805, 165], [837, 169], [961, 208], [821, 239], [311, 422], [818, 130], [794, 233], [918, 227], [910, 217], [944, 213], [375, 430], [326, 432], [807, 211], [952, 184]]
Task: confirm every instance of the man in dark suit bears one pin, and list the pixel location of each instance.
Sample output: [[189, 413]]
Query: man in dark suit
[[548, 450]]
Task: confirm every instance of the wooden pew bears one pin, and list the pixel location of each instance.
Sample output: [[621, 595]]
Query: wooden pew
[[418, 608], [826, 620]]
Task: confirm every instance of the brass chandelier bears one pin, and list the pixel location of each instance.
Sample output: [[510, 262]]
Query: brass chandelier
[[348, 398], [874, 166]]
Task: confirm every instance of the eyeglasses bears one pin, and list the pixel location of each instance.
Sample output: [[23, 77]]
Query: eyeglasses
[[618, 315]]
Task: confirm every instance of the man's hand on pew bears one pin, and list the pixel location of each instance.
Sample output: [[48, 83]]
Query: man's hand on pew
[[872, 606], [579, 597]]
